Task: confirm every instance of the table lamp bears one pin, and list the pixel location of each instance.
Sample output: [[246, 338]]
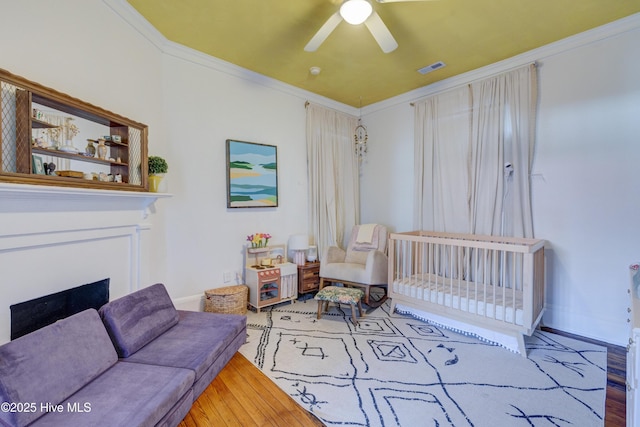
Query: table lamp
[[299, 243]]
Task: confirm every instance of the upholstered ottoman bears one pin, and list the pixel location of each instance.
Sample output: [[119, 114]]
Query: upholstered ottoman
[[340, 295]]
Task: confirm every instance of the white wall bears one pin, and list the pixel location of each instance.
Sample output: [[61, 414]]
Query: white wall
[[587, 199], [206, 107], [586, 189], [386, 176]]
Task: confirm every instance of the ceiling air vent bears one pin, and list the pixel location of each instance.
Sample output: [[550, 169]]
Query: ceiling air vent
[[432, 67]]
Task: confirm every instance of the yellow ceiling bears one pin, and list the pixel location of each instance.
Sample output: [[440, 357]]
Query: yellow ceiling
[[268, 37]]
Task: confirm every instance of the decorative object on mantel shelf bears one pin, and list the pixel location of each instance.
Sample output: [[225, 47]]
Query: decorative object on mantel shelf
[[102, 149], [90, 150], [70, 130], [41, 121], [157, 168]]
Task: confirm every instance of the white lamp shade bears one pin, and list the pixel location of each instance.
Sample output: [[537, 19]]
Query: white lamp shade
[[355, 12], [299, 242]]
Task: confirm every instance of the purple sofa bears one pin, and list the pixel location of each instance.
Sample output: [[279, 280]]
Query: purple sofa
[[139, 362]]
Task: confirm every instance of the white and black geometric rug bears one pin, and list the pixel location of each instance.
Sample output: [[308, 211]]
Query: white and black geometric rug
[[395, 370]]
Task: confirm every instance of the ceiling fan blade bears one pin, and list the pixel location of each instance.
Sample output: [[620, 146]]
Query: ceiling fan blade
[[398, 1], [323, 32], [381, 33]]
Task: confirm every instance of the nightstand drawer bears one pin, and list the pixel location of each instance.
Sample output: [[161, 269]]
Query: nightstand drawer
[[310, 286], [311, 275]]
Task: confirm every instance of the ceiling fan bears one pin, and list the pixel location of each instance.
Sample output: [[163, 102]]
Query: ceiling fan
[[356, 12]]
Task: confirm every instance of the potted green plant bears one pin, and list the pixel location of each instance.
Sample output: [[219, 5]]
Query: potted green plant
[[157, 167]]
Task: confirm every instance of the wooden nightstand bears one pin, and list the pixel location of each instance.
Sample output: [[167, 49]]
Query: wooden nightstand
[[308, 277]]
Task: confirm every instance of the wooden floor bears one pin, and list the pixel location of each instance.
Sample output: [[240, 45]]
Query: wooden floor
[[241, 395], [615, 411]]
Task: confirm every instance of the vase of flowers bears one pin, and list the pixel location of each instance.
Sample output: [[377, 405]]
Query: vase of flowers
[[258, 240]]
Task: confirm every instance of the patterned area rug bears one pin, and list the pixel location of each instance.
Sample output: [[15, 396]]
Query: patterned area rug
[[395, 370]]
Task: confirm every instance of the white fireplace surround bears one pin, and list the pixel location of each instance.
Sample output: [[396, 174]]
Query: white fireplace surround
[[56, 238]]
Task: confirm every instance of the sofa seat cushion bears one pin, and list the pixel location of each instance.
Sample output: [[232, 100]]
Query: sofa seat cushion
[[194, 343], [128, 394], [138, 318], [52, 363]]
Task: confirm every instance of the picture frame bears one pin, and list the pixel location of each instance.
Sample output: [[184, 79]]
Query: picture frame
[[252, 175], [37, 165]]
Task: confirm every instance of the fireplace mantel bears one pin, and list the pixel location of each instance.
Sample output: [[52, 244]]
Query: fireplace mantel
[[52, 238], [41, 198]]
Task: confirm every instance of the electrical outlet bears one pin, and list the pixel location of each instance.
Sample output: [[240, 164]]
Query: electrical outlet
[[228, 276]]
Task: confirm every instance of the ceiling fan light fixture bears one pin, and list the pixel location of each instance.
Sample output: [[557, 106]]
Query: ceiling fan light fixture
[[355, 12]]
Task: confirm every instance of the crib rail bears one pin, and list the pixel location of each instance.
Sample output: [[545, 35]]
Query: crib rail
[[498, 279]]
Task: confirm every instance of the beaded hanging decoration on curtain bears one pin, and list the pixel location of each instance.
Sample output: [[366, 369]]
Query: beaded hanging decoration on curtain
[[360, 138]]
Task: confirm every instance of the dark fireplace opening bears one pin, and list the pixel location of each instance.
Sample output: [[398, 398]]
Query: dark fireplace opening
[[34, 314]]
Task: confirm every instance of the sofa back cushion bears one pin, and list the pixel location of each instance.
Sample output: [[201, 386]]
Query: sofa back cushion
[[136, 319], [52, 363]]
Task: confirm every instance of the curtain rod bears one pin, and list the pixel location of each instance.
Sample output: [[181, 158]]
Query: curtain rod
[[534, 63]]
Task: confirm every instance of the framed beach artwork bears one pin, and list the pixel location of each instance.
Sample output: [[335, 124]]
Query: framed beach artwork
[[252, 175]]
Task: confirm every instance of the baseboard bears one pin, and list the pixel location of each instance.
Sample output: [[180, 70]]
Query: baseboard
[[191, 303]]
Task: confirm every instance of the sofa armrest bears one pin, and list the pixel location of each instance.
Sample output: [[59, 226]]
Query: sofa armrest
[[376, 267]]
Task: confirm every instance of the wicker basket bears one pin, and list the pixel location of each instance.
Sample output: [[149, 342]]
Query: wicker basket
[[230, 300]]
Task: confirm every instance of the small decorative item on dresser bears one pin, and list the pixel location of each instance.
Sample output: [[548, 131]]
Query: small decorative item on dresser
[[227, 300], [312, 253]]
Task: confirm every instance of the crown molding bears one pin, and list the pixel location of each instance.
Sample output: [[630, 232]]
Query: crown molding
[[613, 29], [131, 16], [142, 26]]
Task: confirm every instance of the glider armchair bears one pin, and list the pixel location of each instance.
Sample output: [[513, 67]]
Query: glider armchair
[[363, 264]]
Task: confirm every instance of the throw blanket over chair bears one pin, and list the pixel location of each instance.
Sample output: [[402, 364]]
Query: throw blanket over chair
[[364, 264]]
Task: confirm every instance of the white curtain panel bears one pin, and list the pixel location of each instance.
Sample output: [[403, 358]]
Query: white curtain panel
[[503, 124], [441, 161], [334, 189], [463, 140]]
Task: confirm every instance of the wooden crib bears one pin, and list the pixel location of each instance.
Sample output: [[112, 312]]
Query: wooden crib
[[494, 283]]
